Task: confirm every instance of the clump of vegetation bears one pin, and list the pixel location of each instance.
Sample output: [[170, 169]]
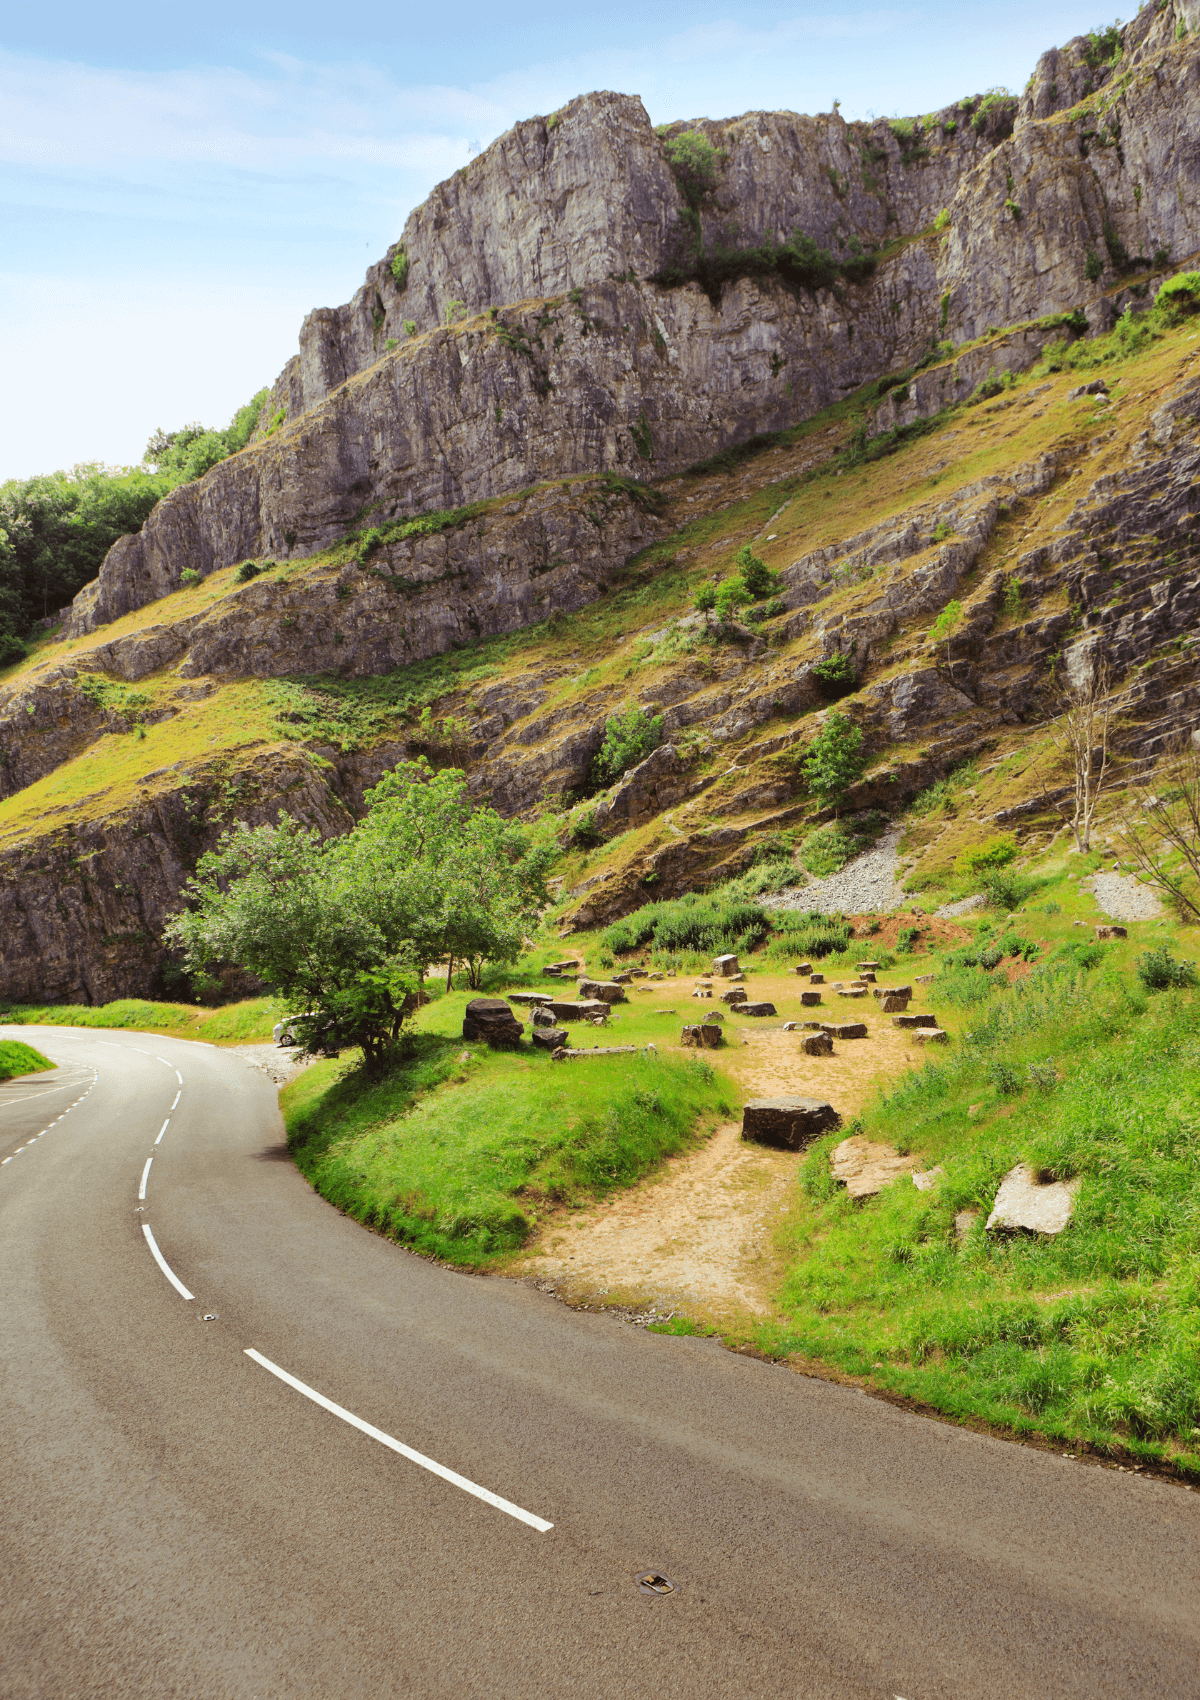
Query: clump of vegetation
[[995, 852], [835, 759], [629, 737], [1158, 970], [827, 850], [17, 1059], [836, 675], [247, 571], [399, 269], [710, 924]]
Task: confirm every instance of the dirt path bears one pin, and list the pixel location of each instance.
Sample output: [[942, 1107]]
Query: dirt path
[[699, 1235]]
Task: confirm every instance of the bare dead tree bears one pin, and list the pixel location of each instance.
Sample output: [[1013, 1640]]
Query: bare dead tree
[[1165, 822], [1084, 726]]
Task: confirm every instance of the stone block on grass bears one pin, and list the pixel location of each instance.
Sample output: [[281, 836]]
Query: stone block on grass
[[755, 1008], [549, 1038], [809, 999], [817, 1045], [1026, 1203], [914, 1021], [726, 965], [492, 1020]]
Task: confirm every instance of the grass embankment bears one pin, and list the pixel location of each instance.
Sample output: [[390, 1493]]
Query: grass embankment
[[16, 1058], [248, 1022], [458, 1159]]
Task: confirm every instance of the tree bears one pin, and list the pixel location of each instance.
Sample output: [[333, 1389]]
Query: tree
[[345, 929], [629, 738], [705, 599], [756, 575], [1165, 818], [1086, 707], [835, 759], [732, 594]]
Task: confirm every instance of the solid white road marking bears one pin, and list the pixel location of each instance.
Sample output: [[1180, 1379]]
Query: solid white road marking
[[163, 1129], [163, 1264], [140, 1051], [164, 1062], [145, 1177], [429, 1464], [178, 1096]]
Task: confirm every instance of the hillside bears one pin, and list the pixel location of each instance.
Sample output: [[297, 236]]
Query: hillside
[[480, 502]]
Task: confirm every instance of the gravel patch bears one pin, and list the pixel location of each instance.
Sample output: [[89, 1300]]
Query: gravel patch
[[964, 906], [1123, 897], [280, 1065], [867, 885]]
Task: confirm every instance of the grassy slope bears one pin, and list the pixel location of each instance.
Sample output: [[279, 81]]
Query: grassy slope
[[16, 1058], [248, 1022], [456, 1158]]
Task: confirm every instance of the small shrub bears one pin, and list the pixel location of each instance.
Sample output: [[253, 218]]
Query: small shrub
[[835, 759], [584, 831], [189, 578], [1158, 970], [756, 575], [995, 852], [942, 221], [836, 676], [1006, 889], [1093, 266], [628, 739], [400, 265], [1044, 1075], [1004, 1077], [908, 938], [247, 571]]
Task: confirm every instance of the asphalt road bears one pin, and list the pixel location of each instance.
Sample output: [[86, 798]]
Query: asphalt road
[[176, 1520]]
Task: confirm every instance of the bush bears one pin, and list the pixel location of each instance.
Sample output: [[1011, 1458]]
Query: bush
[[1158, 970], [1005, 889], [836, 676], [835, 759], [756, 575], [1181, 293], [708, 924], [829, 848], [247, 571], [399, 268], [628, 740], [12, 649], [811, 935], [995, 852], [189, 578]]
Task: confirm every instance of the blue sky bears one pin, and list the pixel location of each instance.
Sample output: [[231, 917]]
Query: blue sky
[[177, 191]]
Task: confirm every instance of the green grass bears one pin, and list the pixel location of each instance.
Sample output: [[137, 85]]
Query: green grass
[[459, 1159], [1090, 1338], [247, 1022], [16, 1058]]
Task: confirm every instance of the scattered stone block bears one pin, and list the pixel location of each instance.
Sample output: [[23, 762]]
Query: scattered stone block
[[1112, 932], [531, 998], [541, 1017], [790, 1027], [845, 1029], [853, 992], [755, 1008], [550, 1038], [738, 976], [926, 1179], [662, 1012], [817, 1045], [893, 1002], [893, 992], [638, 974], [787, 1123], [563, 1054], [492, 1020], [925, 979], [735, 994], [816, 979], [711, 1038], [610, 991], [702, 992], [1036, 1207], [810, 998], [566, 967], [713, 1017], [804, 968], [725, 966], [584, 1009], [816, 1026], [865, 1168], [931, 1036], [657, 975], [625, 979], [868, 976], [874, 966], [914, 1021]]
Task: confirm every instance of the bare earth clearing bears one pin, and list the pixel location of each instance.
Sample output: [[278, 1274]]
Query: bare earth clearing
[[699, 1235]]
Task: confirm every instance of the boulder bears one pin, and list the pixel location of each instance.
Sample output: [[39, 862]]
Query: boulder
[[1112, 932], [585, 1009], [711, 1037], [639, 974], [808, 999], [531, 998], [1036, 1207], [862, 966], [894, 1004], [817, 1045], [867, 975], [814, 1026], [690, 1037], [926, 1179], [713, 1017], [893, 991], [914, 1021], [542, 1017], [622, 979], [804, 968], [852, 992], [755, 1008], [789, 1123], [845, 1029], [550, 1038], [656, 975], [610, 991], [725, 966], [816, 979], [735, 994], [926, 979], [865, 1168], [491, 1019], [738, 976], [931, 1036]]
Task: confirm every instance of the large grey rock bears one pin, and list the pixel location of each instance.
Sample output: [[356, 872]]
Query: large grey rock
[[582, 1009], [531, 999], [790, 1123], [865, 1167], [726, 965], [755, 1008], [608, 991], [491, 1019], [1037, 1207], [735, 994], [808, 999], [817, 1045], [549, 1038]]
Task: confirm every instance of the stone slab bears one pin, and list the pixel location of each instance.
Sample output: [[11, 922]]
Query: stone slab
[[610, 991], [864, 1167], [549, 1038], [1025, 1204], [914, 1021], [808, 999], [817, 1045], [755, 1008], [845, 1029], [585, 1009], [563, 1054], [931, 1036], [726, 965]]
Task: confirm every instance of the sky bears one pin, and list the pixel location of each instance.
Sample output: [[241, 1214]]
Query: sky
[[179, 186]]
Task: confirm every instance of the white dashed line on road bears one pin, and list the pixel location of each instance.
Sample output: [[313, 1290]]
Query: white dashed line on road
[[163, 1129], [429, 1464], [163, 1264], [145, 1177]]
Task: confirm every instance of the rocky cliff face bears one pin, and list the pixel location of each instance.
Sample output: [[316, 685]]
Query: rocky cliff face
[[533, 381]]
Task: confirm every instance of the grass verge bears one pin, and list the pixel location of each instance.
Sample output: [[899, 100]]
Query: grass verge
[[458, 1158], [248, 1022], [16, 1058]]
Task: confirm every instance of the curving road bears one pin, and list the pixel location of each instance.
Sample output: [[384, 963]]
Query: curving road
[[178, 1519]]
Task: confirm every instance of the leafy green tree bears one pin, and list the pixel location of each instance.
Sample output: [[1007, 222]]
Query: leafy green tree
[[732, 594], [705, 599], [628, 739], [345, 929], [835, 759], [757, 576]]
